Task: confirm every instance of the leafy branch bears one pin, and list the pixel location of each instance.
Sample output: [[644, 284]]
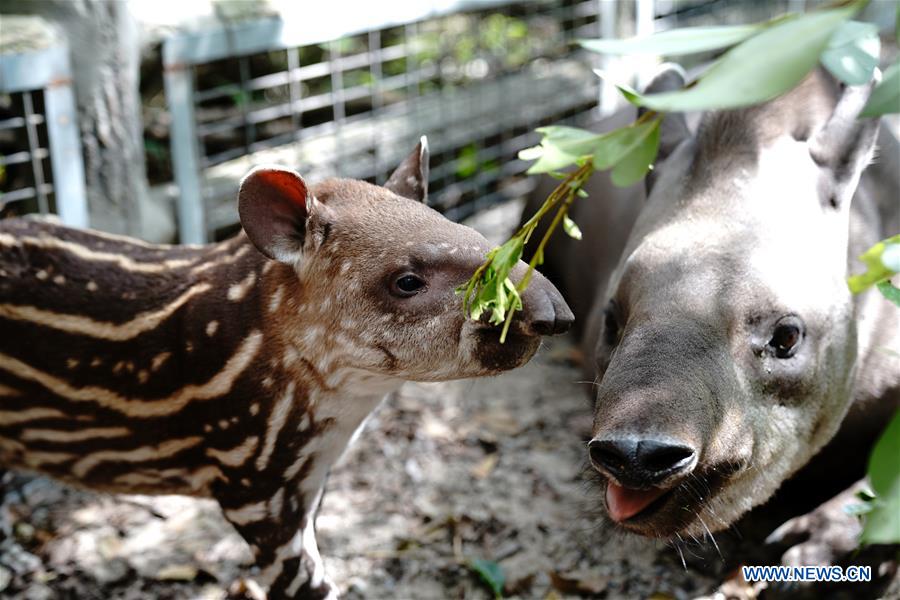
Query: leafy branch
[[764, 61]]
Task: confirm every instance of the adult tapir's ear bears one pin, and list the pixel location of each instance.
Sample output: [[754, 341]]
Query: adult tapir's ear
[[410, 180], [673, 129], [844, 146], [274, 205]]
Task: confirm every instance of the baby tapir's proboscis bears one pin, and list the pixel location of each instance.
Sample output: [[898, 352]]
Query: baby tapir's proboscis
[[726, 348], [241, 370]]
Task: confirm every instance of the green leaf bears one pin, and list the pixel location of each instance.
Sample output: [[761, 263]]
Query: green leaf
[[532, 153], [882, 524], [552, 159], [882, 261], [571, 228], [885, 97], [853, 52], [609, 149], [889, 291], [676, 42], [759, 69], [630, 94], [634, 166], [491, 573]]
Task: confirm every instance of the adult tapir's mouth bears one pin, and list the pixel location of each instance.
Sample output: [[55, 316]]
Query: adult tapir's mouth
[[662, 512], [623, 503]]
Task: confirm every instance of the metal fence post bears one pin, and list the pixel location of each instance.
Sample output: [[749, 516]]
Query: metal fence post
[[185, 155], [65, 153]]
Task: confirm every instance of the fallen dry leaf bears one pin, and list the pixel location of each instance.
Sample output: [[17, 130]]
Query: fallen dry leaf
[[582, 583], [177, 573], [483, 469]]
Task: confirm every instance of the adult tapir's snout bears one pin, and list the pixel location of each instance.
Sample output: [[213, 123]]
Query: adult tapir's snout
[[544, 311], [641, 462]]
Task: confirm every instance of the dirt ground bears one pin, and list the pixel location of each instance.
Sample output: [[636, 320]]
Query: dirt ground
[[443, 475]]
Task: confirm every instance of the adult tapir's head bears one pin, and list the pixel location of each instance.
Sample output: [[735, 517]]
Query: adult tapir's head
[[727, 343], [372, 276]]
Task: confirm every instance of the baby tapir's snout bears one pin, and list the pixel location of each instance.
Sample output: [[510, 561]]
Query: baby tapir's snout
[[544, 311]]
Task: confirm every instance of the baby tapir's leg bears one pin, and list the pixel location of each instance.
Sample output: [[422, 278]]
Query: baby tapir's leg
[[279, 525]]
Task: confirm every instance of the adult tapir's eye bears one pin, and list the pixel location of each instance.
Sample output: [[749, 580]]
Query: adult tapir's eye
[[611, 324], [786, 337], [407, 285]]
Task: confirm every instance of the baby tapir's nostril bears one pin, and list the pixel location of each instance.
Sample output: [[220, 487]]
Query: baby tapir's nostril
[[551, 318], [640, 463], [546, 313]]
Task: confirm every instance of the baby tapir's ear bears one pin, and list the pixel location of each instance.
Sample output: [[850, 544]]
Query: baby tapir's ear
[[410, 180], [844, 147], [274, 204]]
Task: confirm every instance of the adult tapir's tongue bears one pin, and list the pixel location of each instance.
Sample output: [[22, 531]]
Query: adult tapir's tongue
[[623, 503]]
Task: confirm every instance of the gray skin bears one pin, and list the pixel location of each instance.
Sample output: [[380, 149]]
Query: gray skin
[[724, 344]]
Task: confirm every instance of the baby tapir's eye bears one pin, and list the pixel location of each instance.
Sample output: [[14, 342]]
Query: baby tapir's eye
[[407, 285], [786, 337]]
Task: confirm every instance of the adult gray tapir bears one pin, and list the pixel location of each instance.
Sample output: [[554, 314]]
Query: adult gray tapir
[[726, 348]]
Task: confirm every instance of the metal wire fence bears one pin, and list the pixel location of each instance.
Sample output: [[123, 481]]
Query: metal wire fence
[[342, 94], [477, 82], [41, 169]]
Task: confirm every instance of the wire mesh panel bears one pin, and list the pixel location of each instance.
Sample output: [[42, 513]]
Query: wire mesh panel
[[349, 95], [26, 177], [41, 167], [477, 82]]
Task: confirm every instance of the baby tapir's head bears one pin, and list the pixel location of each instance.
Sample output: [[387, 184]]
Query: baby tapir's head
[[376, 274], [726, 341]]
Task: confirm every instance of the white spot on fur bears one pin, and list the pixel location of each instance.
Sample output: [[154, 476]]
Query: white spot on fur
[[59, 280], [275, 300], [236, 456], [249, 513], [41, 275], [91, 286], [238, 290], [158, 360], [276, 503], [276, 423], [211, 328], [254, 408]]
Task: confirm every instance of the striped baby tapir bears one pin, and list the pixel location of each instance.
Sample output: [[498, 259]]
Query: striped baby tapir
[[241, 370]]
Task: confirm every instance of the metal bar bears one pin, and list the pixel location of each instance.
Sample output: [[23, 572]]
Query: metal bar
[[328, 22], [23, 157], [66, 159], [37, 166], [377, 52], [185, 156], [33, 70], [16, 122], [294, 90], [337, 92]]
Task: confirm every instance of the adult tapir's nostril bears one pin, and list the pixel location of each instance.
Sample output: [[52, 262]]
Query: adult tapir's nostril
[[640, 462]]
